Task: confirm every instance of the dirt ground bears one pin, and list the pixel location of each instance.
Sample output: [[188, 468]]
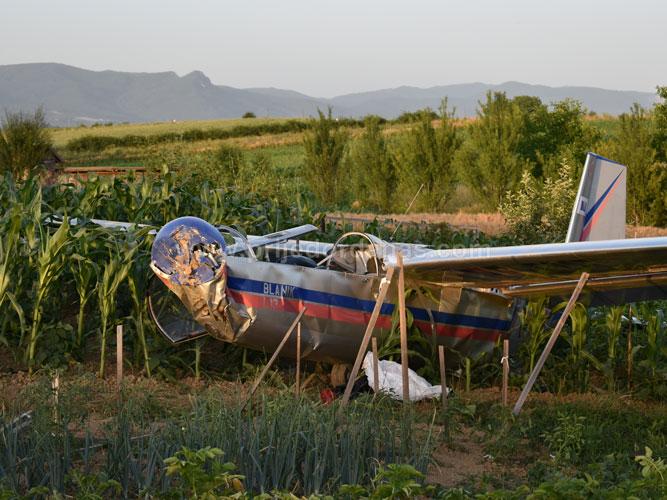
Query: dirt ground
[[492, 224]]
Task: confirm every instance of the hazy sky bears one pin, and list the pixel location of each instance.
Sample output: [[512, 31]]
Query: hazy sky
[[328, 48]]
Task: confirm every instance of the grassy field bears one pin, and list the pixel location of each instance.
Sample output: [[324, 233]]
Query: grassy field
[[62, 135]]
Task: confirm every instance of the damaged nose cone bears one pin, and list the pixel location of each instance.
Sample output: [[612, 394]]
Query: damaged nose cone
[[189, 251]]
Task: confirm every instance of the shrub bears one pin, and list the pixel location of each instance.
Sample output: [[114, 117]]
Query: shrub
[[415, 116], [24, 143], [249, 114], [540, 211]]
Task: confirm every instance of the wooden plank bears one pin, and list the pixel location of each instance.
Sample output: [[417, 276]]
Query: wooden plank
[[506, 370], [403, 328], [384, 287], [376, 368], [275, 355], [443, 377], [552, 340], [298, 359], [119, 355]]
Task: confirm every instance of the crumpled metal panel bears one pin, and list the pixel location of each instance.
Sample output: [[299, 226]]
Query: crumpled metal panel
[[211, 307]]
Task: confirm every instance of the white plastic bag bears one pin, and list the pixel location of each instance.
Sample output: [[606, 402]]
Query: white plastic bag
[[391, 380]]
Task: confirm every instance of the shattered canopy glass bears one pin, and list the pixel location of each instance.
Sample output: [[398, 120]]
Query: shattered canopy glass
[[189, 250]]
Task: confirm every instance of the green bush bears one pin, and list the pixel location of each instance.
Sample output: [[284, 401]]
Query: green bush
[[24, 143], [539, 211]]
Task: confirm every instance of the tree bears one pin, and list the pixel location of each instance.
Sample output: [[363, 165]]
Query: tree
[[634, 149], [24, 143], [427, 158], [374, 167], [488, 161], [249, 114], [324, 149], [660, 112]]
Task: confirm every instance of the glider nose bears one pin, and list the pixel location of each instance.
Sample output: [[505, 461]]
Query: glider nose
[[188, 251]]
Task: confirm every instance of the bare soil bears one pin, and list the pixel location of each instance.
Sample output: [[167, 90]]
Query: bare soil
[[492, 224]]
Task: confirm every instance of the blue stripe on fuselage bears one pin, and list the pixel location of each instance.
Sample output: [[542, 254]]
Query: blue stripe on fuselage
[[332, 299], [597, 204]]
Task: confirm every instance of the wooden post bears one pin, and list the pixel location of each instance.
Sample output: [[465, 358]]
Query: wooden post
[[274, 356], [552, 340], [506, 369], [55, 387], [629, 351], [298, 359], [403, 328], [443, 377], [119, 355], [376, 368], [384, 287]]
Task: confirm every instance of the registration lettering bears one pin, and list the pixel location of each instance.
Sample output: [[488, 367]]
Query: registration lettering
[[278, 290]]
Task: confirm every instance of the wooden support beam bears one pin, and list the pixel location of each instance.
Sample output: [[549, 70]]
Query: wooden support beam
[[298, 360], [376, 368], [506, 370], [384, 287], [443, 377], [403, 328], [550, 344], [275, 355]]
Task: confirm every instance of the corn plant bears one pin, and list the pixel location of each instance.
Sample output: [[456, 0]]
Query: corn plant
[[114, 272], [534, 319], [50, 263], [613, 324], [654, 350], [138, 278], [577, 341], [85, 272], [9, 239]]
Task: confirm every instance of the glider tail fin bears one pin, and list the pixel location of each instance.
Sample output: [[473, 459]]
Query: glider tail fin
[[599, 209]]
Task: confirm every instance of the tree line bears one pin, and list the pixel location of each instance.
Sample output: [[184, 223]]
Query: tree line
[[511, 138]]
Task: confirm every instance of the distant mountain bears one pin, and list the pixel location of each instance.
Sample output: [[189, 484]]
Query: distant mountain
[[72, 95]]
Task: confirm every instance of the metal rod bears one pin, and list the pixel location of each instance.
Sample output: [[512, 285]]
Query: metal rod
[[384, 287], [552, 340], [403, 328], [275, 355]]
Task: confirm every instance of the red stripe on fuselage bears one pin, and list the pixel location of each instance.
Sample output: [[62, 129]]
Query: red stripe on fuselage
[[345, 315]]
